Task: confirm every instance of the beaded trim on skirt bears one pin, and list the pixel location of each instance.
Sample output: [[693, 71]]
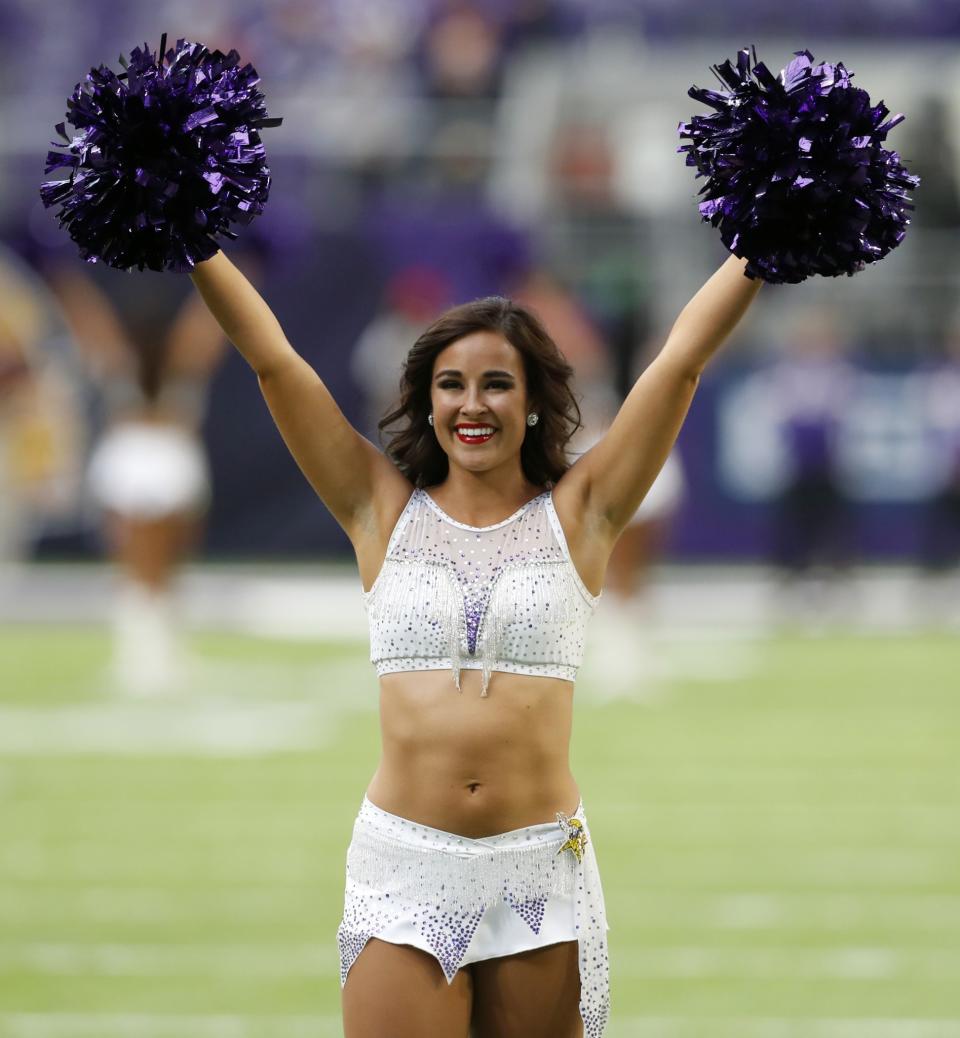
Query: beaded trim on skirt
[[438, 887]]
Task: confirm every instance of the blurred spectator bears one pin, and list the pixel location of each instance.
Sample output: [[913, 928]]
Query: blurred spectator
[[645, 539], [413, 298], [441, 220], [592, 250], [594, 245], [578, 339], [542, 22], [930, 151], [41, 420], [623, 617], [810, 388], [151, 348], [940, 536], [461, 50]]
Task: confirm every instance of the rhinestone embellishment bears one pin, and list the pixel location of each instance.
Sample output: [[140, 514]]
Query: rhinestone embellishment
[[576, 836]]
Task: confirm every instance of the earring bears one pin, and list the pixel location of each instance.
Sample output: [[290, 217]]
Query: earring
[[430, 418], [533, 418]]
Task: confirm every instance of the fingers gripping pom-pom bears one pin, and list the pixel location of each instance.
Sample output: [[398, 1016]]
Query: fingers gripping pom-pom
[[798, 181], [165, 158]]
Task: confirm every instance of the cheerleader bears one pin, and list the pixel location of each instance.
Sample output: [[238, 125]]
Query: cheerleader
[[473, 901], [482, 557], [148, 479]]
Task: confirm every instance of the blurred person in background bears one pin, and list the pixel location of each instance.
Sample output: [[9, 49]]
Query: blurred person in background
[[436, 216], [624, 614], [596, 247], [437, 239], [412, 298], [810, 387], [935, 262], [940, 531], [460, 55], [646, 537], [592, 294], [150, 350], [41, 413]]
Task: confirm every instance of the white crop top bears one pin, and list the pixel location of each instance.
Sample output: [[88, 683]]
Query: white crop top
[[505, 597]]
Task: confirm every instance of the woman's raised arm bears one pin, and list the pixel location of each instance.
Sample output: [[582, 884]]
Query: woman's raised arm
[[343, 467], [240, 311]]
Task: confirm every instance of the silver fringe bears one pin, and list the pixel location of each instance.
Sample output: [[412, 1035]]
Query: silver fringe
[[544, 591], [457, 882]]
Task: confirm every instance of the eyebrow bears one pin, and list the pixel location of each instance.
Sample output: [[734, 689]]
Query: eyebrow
[[486, 374]]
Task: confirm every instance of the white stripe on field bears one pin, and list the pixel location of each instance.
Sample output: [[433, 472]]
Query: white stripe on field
[[32, 861], [219, 709], [830, 910], [767, 1027], [790, 963], [258, 962], [166, 1025], [220, 961], [85, 904], [709, 819], [88, 903], [165, 728], [147, 1025]]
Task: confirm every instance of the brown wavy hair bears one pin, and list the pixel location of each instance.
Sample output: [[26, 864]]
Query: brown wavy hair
[[543, 457]]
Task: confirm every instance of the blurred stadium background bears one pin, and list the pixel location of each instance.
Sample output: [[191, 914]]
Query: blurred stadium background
[[772, 776]]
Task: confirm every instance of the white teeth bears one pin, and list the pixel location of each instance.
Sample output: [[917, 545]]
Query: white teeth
[[477, 431]]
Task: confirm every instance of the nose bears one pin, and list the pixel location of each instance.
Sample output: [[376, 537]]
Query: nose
[[473, 406]]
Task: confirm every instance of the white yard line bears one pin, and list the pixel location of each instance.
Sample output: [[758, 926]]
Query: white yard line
[[237, 729], [308, 602], [259, 962], [767, 1027], [166, 1025], [213, 961], [141, 905], [829, 910], [832, 912], [149, 1025], [225, 709], [937, 965]]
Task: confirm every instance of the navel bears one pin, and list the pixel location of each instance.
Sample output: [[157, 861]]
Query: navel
[[473, 786]]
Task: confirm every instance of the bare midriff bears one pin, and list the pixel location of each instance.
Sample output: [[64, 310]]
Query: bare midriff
[[473, 765]]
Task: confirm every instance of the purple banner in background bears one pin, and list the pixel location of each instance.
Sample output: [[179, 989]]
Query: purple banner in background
[[894, 450]]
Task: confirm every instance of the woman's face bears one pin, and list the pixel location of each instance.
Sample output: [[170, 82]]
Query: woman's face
[[479, 381]]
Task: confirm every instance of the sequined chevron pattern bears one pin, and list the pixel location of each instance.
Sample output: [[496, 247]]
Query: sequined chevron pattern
[[531, 912]]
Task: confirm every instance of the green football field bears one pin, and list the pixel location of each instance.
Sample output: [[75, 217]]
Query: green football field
[[780, 851]]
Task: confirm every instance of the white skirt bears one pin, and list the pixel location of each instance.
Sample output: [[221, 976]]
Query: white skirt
[[464, 899], [665, 495], [146, 471]]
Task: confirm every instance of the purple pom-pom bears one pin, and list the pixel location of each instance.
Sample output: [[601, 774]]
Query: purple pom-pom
[[799, 183], [166, 156]]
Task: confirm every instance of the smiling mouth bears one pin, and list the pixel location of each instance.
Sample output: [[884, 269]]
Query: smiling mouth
[[474, 439]]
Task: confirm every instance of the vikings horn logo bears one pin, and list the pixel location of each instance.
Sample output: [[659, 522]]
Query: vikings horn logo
[[576, 837]]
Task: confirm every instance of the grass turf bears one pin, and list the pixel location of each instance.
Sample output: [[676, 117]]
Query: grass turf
[[779, 851]]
